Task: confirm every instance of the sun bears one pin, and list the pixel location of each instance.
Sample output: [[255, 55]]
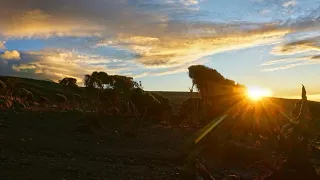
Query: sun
[[257, 93]]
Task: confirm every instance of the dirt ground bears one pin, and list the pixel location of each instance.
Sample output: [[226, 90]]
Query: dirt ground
[[56, 145], [45, 145]]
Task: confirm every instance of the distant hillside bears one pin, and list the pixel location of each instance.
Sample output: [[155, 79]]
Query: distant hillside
[[176, 98], [49, 89], [41, 87]]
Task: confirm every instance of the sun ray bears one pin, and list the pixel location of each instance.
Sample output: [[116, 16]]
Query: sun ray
[[257, 93]]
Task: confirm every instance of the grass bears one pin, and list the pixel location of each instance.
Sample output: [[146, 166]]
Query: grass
[[49, 89]]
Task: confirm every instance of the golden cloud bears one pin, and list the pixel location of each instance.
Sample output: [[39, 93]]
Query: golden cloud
[[2, 45], [76, 18], [58, 64], [24, 67], [176, 51], [37, 23], [157, 40], [11, 55], [189, 2]]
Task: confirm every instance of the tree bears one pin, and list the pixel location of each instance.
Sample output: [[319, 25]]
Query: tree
[[106, 80], [122, 83], [217, 92], [92, 82], [210, 82], [137, 85], [68, 82]]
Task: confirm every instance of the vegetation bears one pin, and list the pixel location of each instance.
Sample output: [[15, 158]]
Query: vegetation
[[72, 82], [242, 128]]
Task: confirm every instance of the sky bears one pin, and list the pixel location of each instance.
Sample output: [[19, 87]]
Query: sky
[[273, 44]]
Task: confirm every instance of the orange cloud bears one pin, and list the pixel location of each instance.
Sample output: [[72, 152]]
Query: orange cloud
[[24, 67], [58, 64], [156, 39], [2, 45], [11, 55], [37, 23], [173, 51]]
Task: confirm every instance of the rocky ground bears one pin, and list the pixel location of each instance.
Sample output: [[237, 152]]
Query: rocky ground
[[48, 145], [59, 145]]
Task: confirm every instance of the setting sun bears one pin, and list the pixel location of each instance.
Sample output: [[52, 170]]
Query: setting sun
[[256, 93]]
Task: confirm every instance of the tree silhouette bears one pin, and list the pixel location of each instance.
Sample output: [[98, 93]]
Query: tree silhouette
[[106, 80], [68, 82], [123, 83], [92, 82], [206, 79], [217, 92]]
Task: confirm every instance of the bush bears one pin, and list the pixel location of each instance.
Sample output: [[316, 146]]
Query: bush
[[149, 103], [190, 105], [192, 111], [43, 100], [19, 105], [5, 104], [60, 98], [25, 94], [2, 88], [76, 98]]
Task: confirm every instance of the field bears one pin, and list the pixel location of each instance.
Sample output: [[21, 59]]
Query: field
[[52, 143], [48, 145]]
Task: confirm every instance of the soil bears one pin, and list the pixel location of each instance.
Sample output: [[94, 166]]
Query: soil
[[50, 144], [57, 145]]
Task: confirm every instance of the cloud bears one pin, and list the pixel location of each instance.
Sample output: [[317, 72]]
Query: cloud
[[38, 23], [56, 64], [289, 3], [170, 51], [24, 67], [288, 63], [155, 34], [189, 2], [162, 72], [2, 45], [11, 55], [265, 11], [34, 18], [296, 47]]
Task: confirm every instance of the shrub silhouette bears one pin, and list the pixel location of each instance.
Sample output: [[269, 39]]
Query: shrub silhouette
[[25, 94], [43, 100], [92, 82], [68, 82], [60, 98], [3, 88], [151, 104], [217, 92], [210, 82]]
